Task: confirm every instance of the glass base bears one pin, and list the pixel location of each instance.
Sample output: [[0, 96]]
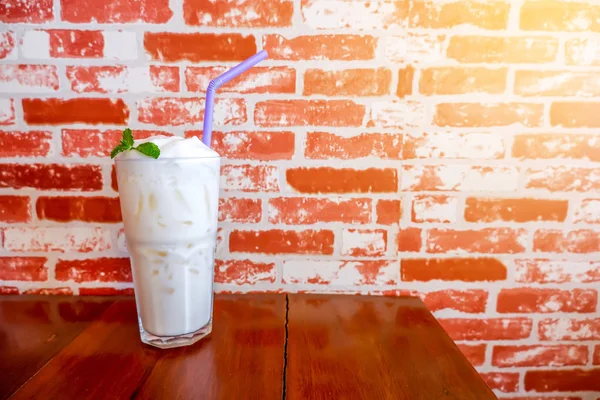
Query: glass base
[[168, 342]]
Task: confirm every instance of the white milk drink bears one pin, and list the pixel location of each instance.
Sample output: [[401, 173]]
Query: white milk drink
[[170, 212]]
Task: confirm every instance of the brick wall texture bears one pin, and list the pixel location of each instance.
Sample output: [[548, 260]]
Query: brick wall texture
[[447, 149]]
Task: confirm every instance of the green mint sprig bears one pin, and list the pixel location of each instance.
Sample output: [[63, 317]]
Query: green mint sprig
[[149, 149]]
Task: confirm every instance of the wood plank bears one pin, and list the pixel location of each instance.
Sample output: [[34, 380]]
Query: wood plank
[[106, 361], [359, 347], [242, 358], [33, 329]]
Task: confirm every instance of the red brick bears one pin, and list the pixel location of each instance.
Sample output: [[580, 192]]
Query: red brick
[[51, 176], [94, 142], [405, 81], [28, 78], [486, 240], [539, 356], [409, 240], [529, 300], [348, 82], [310, 210], [66, 43], [7, 45], [574, 115], [596, 359], [251, 145], [79, 208], [8, 290], [255, 80], [556, 271], [400, 114], [320, 47], [583, 51], [487, 329], [573, 380], [72, 111], [113, 179], [460, 80], [588, 211], [7, 112], [60, 239], [551, 15], [308, 113], [25, 144], [459, 177], [340, 273], [32, 11], [485, 115], [442, 145], [250, 14], [244, 272], [498, 49], [556, 145], [105, 291], [364, 242], [479, 209], [412, 47], [116, 11], [277, 241], [354, 15], [569, 329], [174, 111], [563, 179], [122, 79], [388, 212], [233, 209], [475, 353], [486, 15], [95, 270], [558, 241], [434, 208], [50, 291], [452, 269], [506, 382], [324, 145], [468, 301], [23, 269], [14, 209], [343, 180], [557, 83], [195, 47], [250, 178]]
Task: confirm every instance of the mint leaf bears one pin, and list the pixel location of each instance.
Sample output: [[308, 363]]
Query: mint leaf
[[149, 149], [120, 148], [127, 137]]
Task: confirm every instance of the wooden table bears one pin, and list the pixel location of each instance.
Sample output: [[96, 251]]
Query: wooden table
[[262, 346]]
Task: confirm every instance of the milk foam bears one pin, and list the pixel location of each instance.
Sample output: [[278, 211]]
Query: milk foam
[[172, 147]]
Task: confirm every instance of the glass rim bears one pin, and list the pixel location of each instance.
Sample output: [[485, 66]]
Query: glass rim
[[164, 159]]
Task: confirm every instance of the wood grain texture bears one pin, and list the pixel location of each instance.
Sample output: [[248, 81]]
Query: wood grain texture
[[33, 329], [358, 347], [241, 359], [106, 361], [312, 347]]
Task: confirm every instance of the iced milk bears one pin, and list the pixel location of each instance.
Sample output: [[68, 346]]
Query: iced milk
[[170, 208]]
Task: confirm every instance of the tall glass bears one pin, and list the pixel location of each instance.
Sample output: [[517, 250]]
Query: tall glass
[[170, 209]]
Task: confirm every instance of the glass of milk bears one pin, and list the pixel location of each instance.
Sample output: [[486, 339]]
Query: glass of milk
[[170, 212]]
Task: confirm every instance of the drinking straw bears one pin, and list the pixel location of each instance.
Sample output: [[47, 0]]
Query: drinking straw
[[216, 83]]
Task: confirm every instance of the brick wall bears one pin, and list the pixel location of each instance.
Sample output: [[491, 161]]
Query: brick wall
[[447, 149]]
